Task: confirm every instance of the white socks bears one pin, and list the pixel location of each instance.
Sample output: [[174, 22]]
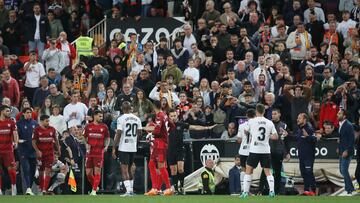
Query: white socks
[[132, 185], [270, 180], [127, 186], [242, 174], [247, 183]]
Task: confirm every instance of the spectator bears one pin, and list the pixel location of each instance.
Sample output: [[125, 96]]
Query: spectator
[[10, 88], [172, 69], [234, 177], [295, 10], [162, 49], [34, 71], [192, 72], [55, 24], [13, 110], [142, 107], [41, 93], [75, 112], [57, 120], [228, 14], [126, 95], [312, 83], [74, 25], [332, 36], [53, 58], [56, 97], [197, 53], [226, 65], [316, 29], [230, 133], [11, 32], [346, 149], [318, 11], [180, 54], [189, 39], [4, 13], [53, 77], [26, 104], [355, 12], [253, 25], [299, 99], [67, 50], [210, 15], [145, 83], [38, 30], [346, 24], [306, 142], [162, 90], [232, 109]]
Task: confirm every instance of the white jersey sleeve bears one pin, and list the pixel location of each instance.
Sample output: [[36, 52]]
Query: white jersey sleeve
[[129, 125], [243, 133], [261, 129]]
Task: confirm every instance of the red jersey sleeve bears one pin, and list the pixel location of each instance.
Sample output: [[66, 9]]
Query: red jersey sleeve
[[159, 123]]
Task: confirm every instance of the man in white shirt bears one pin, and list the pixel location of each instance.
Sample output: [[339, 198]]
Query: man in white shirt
[[34, 71], [192, 72], [243, 138], [189, 39], [128, 132], [75, 111], [346, 24], [261, 130], [320, 16]]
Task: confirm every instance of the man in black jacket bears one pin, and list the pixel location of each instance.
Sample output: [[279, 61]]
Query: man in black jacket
[[145, 82], [38, 30]]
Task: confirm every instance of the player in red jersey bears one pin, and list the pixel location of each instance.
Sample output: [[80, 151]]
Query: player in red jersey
[[44, 138], [8, 141], [97, 142], [158, 155]]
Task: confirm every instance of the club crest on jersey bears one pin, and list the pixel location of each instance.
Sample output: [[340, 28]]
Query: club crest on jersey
[[8, 125], [209, 151], [101, 130]]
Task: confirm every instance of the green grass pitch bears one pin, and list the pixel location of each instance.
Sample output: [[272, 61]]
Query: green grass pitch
[[174, 199]]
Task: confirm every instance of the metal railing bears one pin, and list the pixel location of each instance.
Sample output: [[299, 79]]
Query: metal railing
[[98, 32]]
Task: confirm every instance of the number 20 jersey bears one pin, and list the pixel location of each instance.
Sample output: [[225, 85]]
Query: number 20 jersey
[[129, 124], [260, 130]]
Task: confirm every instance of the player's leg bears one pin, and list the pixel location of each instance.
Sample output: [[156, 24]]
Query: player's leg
[[46, 178], [124, 167], [165, 177], [1, 174], [174, 177], [89, 170], [97, 178], [243, 169], [181, 174], [10, 164], [251, 163], [265, 160], [131, 169]]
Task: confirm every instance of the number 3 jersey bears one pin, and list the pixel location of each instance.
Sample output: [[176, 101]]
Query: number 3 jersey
[[129, 124], [243, 133], [260, 130]]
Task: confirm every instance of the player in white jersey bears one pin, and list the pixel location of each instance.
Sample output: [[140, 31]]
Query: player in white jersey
[[261, 130], [243, 137], [128, 132]]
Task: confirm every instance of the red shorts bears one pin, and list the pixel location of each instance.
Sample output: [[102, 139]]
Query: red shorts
[[7, 159], [46, 162], [92, 162], [158, 155]]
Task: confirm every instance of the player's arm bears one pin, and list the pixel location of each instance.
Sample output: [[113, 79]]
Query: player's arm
[[149, 128], [107, 139], [15, 137], [199, 127], [116, 142], [34, 144]]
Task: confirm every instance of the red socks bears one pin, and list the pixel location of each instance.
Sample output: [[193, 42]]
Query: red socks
[[96, 181], [165, 177], [153, 175], [12, 175], [44, 182], [159, 181], [90, 178]]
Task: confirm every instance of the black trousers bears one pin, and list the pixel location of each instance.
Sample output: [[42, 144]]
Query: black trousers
[[29, 94], [357, 171]]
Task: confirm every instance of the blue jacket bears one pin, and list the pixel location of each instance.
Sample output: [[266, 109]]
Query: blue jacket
[[306, 145], [25, 131], [234, 180], [347, 138]]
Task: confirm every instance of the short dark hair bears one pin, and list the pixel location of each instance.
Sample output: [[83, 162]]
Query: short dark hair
[[260, 108], [3, 107], [126, 106], [277, 110], [172, 110], [26, 109], [250, 113], [44, 117], [97, 111], [157, 104], [237, 156]]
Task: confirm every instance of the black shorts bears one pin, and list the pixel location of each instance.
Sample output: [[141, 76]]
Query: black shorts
[[175, 155], [243, 159], [126, 158], [254, 159]]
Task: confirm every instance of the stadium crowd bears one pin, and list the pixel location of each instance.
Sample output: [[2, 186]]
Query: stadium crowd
[[294, 57]]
